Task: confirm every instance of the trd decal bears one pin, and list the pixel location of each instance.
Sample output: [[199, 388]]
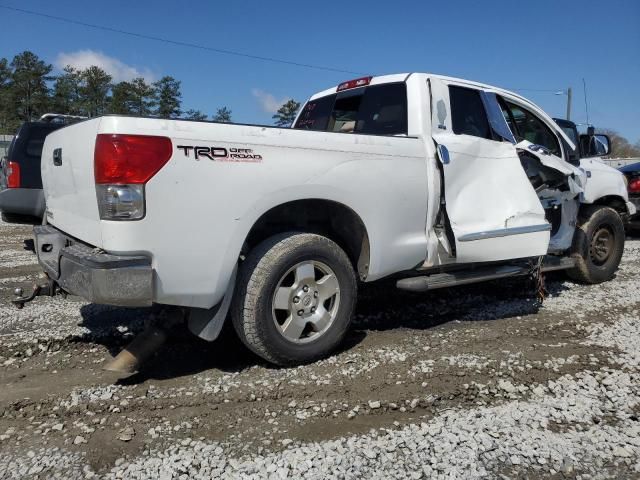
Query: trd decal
[[221, 154]]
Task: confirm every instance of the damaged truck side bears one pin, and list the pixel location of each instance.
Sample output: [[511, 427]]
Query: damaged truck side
[[431, 180]]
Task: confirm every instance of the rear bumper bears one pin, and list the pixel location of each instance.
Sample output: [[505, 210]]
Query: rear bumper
[[22, 201], [96, 276]]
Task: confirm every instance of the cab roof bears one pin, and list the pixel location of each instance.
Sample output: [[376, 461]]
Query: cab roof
[[403, 77]]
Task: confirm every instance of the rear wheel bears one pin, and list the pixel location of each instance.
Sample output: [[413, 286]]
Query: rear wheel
[[598, 245], [294, 298]]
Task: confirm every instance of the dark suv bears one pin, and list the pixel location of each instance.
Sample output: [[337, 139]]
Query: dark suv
[[21, 196]]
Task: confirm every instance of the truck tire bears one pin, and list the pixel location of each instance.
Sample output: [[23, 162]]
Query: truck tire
[[598, 244], [294, 298]]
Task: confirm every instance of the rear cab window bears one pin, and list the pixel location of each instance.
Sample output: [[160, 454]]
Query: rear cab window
[[373, 110]]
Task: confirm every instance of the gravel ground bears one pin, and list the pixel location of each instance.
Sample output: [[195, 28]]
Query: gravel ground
[[471, 382]]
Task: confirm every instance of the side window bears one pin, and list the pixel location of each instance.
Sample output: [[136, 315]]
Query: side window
[[467, 113], [34, 147], [531, 128]]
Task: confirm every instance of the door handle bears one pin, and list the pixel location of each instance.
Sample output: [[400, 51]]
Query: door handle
[[443, 153]]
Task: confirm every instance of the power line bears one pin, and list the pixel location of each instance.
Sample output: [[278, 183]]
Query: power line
[[177, 42]]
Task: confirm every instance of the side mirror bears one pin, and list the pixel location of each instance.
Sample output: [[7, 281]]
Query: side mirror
[[598, 145]]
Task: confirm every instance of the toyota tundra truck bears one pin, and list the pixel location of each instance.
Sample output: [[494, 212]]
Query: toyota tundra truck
[[430, 180]]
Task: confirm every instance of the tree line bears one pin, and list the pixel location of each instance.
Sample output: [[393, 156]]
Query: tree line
[[28, 89], [620, 146]]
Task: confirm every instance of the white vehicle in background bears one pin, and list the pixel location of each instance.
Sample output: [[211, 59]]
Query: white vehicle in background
[[435, 181]]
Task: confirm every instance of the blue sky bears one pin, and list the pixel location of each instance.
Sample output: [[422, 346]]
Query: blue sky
[[537, 45]]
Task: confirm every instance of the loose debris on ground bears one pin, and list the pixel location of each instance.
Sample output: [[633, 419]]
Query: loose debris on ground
[[471, 382]]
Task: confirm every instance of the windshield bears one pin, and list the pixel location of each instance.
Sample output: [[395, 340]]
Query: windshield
[[375, 110]]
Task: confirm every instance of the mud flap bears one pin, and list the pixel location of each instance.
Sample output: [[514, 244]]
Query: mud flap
[[207, 323]]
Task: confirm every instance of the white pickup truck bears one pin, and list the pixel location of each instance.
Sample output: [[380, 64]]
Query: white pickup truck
[[435, 181]]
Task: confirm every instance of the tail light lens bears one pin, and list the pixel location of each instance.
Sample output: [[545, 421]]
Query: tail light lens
[[13, 177], [121, 159], [634, 186], [122, 165]]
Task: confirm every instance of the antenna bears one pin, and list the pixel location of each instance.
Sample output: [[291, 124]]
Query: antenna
[[586, 105]]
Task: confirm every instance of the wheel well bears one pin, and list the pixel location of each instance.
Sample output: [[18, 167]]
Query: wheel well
[[613, 201], [331, 219]]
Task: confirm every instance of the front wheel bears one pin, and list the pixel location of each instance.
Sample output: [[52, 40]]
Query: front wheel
[[598, 245], [295, 295]]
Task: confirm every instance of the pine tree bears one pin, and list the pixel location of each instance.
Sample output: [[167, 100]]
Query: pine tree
[[142, 97], [222, 115], [192, 114], [167, 97], [66, 92], [121, 99], [286, 114], [94, 91], [6, 113], [29, 93]]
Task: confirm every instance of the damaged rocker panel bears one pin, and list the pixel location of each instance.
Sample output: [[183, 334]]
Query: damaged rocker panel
[[504, 232]]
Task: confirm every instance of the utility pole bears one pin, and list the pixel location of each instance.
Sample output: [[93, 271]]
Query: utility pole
[[586, 105], [569, 103]]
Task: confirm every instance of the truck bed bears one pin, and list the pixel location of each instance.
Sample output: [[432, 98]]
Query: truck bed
[[199, 210]]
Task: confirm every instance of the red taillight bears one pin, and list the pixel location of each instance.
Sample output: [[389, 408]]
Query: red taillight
[[358, 82], [634, 186], [13, 178], [129, 159]]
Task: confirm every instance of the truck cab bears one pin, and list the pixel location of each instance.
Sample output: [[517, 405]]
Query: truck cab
[[511, 179]]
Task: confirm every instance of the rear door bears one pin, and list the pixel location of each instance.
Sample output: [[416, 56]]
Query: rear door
[[492, 210]]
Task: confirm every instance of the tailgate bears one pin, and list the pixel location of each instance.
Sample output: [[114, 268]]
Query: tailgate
[[68, 181]]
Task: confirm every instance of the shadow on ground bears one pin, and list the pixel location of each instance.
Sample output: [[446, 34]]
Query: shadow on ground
[[381, 307]]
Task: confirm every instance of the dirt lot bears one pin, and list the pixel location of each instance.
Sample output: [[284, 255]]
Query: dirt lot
[[470, 382]]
